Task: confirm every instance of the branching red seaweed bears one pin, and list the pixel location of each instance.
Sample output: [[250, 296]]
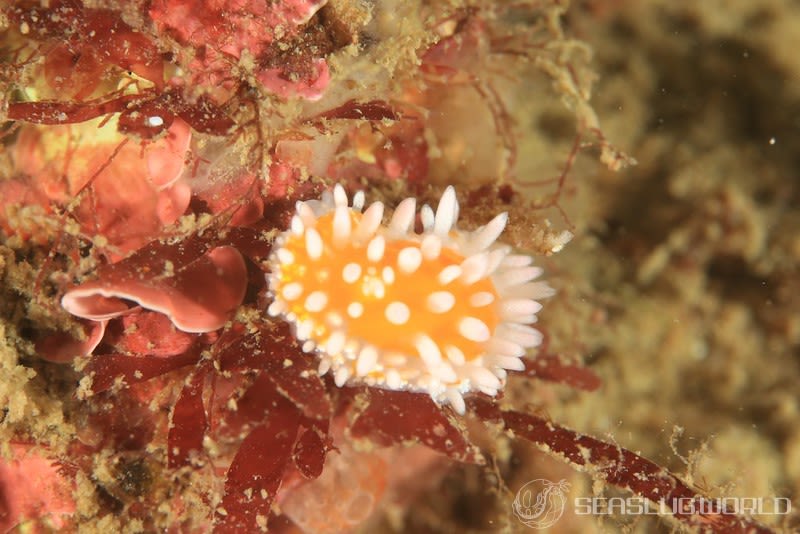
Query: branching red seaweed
[[619, 467]]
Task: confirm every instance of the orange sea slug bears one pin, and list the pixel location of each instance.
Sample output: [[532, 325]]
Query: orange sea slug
[[444, 312]]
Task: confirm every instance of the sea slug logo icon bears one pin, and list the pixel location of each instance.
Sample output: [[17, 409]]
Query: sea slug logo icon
[[540, 503]]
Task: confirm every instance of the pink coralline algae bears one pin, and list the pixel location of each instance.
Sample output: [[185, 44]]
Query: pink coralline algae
[[40, 490], [127, 191], [221, 32]]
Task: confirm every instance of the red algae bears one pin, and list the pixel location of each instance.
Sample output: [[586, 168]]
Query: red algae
[[41, 494], [157, 150], [220, 33], [200, 297], [84, 161]]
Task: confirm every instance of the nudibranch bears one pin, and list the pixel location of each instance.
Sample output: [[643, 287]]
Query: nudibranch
[[446, 312]]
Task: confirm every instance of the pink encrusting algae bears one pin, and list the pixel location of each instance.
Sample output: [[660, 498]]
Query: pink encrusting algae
[[40, 491], [57, 163], [222, 32]]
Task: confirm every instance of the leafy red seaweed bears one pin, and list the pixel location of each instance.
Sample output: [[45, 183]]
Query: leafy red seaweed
[[392, 417], [258, 468], [95, 32], [273, 349], [617, 466], [57, 112], [550, 367], [106, 369], [188, 422], [202, 115], [146, 333]]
